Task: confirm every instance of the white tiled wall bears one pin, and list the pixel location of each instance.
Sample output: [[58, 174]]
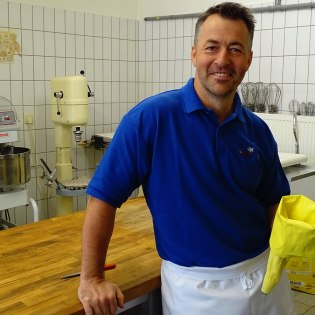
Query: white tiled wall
[[126, 61]]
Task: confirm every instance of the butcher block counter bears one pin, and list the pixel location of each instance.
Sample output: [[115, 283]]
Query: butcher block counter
[[34, 257]]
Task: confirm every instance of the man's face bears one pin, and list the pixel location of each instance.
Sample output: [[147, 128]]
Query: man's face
[[222, 55]]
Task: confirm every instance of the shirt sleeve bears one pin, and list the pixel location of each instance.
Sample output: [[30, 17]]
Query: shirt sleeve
[[123, 167]]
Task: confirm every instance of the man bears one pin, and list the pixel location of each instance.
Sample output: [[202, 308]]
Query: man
[[212, 180]]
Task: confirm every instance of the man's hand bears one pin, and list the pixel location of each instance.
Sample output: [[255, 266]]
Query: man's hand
[[100, 297]]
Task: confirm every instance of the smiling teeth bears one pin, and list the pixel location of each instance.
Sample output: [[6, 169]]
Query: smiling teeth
[[221, 74]]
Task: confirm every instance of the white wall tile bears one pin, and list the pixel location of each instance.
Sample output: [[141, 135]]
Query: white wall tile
[[49, 39], [4, 14], [123, 49], [70, 22], [132, 29], [50, 66], [277, 42], [40, 96], [148, 50], [60, 25], [88, 24], [163, 29], [115, 49], [291, 18], [123, 71], [17, 96], [188, 27], [312, 41], [253, 72], [38, 22], [278, 19], [49, 19], [311, 78], [170, 71], [98, 70], [79, 23], [289, 69], [266, 43], [171, 48], [70, 45], [179, 28], [179, 48], [115, 27], [26, 16], [132, 71], [107, 70], [98, 48], [170, 28], [60, 67], [148, 71], [98, 25], [256, 44], [70, 67], [27, 68], [60, 40], [303, 40], [290, 37], [266, 20], [14, 15], [276, 69], [148, 30], [123, 28], [89, 47], [107, 26], [302, 66], [115, 70], [265, 69], [107, 48], [79, 46], [28, 93], [107, 88], [39, 68], [304, 17]]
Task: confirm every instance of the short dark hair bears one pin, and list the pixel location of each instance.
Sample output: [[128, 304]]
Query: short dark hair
[[232, 11]]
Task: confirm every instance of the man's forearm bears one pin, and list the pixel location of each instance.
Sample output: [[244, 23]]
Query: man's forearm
[[97, 231]]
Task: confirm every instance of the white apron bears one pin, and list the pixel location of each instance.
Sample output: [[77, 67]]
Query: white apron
[[232, 290]]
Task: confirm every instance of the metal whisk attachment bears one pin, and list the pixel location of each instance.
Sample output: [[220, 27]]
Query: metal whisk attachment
[[261, 94], [249, 92], [294, 107], [273, 97]]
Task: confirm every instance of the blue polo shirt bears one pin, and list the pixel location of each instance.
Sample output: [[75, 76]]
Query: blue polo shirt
[[207, 185]]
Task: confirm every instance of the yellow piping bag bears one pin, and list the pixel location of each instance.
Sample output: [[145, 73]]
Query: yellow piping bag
[[292, 235]]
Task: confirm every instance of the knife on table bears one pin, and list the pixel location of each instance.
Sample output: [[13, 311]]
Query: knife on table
[[76, 274]]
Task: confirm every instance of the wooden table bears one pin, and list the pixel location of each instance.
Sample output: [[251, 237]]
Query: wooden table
[[34, 257]]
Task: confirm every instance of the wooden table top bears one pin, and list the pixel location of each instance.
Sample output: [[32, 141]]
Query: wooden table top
[[34, 257]]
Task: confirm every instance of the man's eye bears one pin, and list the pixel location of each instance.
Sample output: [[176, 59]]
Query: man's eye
[[211, 48], [236, 50]]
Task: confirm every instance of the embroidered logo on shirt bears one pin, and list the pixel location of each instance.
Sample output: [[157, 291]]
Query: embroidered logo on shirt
[[247, 153]]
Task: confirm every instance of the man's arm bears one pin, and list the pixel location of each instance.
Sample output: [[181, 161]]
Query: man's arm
[[97, 295], [271, 214]]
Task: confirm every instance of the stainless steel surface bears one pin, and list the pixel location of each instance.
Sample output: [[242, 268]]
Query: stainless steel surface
[[15, 167], [297, 172]]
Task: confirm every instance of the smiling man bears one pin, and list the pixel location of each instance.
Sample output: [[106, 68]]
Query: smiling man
[[212, 180]]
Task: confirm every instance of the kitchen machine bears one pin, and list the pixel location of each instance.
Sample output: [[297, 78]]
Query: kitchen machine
[[69, 108], [14, 164]]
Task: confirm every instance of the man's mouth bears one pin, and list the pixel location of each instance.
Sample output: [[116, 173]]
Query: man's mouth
[[220, 74]]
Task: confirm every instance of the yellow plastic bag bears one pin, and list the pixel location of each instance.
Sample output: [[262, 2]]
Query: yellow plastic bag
[[293, 235]]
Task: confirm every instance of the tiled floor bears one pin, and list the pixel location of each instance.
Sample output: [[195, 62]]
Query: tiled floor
[[305, 303]]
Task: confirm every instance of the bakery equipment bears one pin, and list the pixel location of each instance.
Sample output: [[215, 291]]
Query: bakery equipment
[[249, 92], [260, 100], [273, 95], [69, 108], [14, 164]]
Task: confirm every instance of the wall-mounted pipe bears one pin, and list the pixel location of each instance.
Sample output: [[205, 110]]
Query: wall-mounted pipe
[[274, 8]]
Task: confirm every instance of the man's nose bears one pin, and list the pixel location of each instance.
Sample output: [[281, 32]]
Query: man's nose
[[222, 57]]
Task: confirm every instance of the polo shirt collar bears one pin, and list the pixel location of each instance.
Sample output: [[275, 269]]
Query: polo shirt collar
[[193, 103]]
